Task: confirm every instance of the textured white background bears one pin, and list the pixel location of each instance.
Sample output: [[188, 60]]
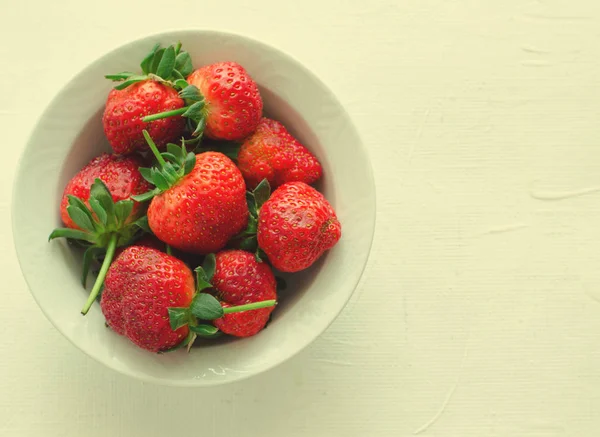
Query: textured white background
[[479, 312]]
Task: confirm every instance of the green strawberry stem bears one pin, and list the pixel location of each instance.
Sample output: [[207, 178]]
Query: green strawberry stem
[[154, 149], [250, 306], [110, 253], [195, 111], [165, 114]]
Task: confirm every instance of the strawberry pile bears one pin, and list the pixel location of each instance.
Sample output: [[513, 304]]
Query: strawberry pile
[[180, 219]]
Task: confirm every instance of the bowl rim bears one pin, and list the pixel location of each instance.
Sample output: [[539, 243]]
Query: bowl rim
[[369, 176]]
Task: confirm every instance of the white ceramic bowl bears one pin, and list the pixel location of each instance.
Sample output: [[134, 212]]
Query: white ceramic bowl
[[69, 134]]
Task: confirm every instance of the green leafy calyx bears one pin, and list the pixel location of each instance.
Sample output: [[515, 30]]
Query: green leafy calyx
[[168, 65], [171, 167], [104, 226], [195, 110], [103, 219], [255, 199]]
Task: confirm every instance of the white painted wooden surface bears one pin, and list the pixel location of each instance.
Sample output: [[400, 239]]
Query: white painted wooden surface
[[479, 312]]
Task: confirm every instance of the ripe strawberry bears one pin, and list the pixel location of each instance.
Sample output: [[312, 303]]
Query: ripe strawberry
[[125, 109], [233, 102], [121, 176], [140, 96], [272, 153], [205, 306], [240, 279], [141, 284], [223, 101], [150, 297], [295, 226], [199, 202]]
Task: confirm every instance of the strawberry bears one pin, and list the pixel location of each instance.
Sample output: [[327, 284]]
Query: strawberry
[[140, 286], [294, 227], [199, 202], [233, 103], [104, 225], [240, 279], [272, 153], [138, 96], [121, 176], [125, 109], [237, 277], [223, 101]]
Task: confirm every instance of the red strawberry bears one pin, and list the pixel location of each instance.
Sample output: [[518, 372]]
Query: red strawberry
[[295, 226], [139, 96], [141, 285], [233, 103], [121, 176], [272, 153], [222, 100], [200, 200], [126, 108], [239, 279]]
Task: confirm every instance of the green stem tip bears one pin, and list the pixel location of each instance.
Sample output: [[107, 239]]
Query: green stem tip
[[165, 114], [154, 149], [250, 306], [110, 253]]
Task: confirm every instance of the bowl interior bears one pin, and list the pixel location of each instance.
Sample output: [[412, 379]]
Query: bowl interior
[[69, 134]]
